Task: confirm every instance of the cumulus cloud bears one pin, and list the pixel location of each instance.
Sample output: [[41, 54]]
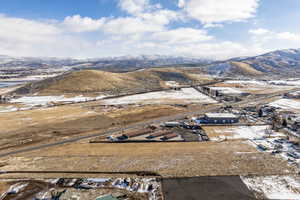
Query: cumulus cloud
[[134, 7], [272, 40], [259, 31], [77, 23], [182, 35], [145, 30], [216, 11]]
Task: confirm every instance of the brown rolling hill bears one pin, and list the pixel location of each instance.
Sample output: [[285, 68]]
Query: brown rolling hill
[[95, 81]]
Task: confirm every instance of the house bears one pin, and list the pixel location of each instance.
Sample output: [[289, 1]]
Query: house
[[218, 118]]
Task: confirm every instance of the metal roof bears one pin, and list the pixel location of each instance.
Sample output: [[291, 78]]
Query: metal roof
[[220, 115]]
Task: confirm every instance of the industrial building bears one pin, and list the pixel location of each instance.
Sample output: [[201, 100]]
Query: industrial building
[[218, 118]]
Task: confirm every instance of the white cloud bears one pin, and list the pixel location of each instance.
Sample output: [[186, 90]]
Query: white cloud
[[134, 6], [20, 30], [182, 35], [273, 40], [77, 23], [289, 36], [181, 3], [117, 36], [131, 25], [217, 50], [218, 11], [259, 31]]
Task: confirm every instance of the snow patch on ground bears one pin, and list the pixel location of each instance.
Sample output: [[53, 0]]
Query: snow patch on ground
[[286, 104], [186, 94], [4, 109], [274, 187], [247, 82], [246, 132], [45, 100], [227, 90], [286, 82]]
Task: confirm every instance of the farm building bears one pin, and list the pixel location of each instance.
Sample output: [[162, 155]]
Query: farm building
[[218, 118], [169, 136], [157, 134]]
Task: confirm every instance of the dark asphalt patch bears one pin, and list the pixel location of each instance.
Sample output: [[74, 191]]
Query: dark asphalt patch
[[206, 188]]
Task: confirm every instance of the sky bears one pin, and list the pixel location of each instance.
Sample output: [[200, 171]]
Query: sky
[[214, 29]]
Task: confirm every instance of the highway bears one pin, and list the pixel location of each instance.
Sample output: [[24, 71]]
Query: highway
[[143, 124]]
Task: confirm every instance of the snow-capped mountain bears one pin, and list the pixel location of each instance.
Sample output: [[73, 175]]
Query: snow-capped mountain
[[124, 63], [281, 62]]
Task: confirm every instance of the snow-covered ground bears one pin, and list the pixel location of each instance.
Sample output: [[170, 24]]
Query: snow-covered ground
[[286, 104], [227, 90], [172, 83], [286, 82], [4, 109], [189, 95], [32, 101], [274, 187], [245, 132], [290, 82], [247, 82]]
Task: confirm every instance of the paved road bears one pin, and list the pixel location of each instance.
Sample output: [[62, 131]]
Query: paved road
[[143, 124]]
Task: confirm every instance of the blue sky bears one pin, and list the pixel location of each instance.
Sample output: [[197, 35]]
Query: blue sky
[[104, 28]]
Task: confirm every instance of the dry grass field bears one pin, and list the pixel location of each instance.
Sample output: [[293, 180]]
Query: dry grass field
[[167, 159], [30, 127]]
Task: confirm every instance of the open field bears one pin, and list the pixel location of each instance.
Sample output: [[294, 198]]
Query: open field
[[167, 159], [52, 124]]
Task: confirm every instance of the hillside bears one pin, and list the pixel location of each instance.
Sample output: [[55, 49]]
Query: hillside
[[280, 63], [93, 81]]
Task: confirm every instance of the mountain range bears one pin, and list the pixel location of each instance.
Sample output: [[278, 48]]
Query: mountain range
[[281, 62]]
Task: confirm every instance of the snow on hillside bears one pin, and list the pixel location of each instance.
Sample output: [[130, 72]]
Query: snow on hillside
[[45, 100]]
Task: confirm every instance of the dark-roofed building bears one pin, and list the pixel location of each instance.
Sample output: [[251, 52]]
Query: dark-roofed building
[[218, 118]]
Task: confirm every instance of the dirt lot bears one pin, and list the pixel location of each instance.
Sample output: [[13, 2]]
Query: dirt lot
[[51, 124], [208, 188], [167, 159]]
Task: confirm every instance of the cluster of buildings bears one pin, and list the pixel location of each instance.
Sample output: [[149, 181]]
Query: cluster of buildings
[[281, 119], [145, 135], [224, 93], [217, 118], [90, 188]]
